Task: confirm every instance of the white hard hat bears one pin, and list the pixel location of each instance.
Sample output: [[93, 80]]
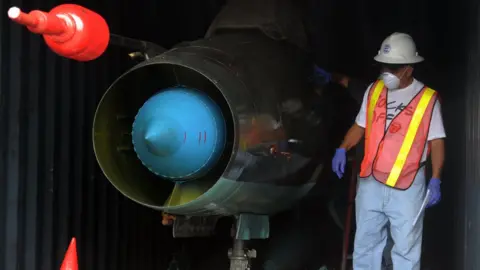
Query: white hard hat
[[398, 48]]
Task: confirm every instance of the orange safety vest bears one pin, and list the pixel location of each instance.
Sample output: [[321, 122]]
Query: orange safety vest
[[393, 155]]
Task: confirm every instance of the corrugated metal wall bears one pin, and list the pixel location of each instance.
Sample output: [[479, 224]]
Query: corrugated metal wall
[[468, 219], [51, 188]]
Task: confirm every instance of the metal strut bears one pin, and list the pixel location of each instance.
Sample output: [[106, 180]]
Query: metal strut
[[239, 256]]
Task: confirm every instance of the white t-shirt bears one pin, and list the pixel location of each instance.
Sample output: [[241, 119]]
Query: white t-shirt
[[397, 100]]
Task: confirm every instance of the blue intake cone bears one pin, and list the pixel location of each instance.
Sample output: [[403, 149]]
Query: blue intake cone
[[179, 133]]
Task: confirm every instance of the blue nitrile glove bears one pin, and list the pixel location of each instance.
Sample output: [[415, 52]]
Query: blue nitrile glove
[[435, 192], [339, 161], [321, 76]]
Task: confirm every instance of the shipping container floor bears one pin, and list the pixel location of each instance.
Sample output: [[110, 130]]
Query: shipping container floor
[[305, 243]]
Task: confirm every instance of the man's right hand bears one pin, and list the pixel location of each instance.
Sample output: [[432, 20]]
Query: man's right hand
[[339, 161]]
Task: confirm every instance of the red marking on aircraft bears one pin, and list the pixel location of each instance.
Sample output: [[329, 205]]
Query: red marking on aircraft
[[205, 135]]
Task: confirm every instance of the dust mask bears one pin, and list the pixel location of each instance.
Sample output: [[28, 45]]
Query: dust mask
[[391, 81]]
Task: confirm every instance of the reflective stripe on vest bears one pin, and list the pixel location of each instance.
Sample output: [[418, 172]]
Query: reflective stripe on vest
[[409, 137], [411, 131], [379, 85]]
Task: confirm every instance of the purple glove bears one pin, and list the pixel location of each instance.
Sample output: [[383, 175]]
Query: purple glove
[[321, 76], [338, 162], [435, 192]]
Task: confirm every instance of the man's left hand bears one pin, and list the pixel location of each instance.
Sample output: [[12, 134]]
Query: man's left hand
[[435, 192]]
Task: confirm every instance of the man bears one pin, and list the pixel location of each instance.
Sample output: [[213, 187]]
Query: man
[[356, 89], [402, 123]]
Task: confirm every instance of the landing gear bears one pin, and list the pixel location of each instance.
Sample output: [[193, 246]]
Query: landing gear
[[240, 256], [246, 227]]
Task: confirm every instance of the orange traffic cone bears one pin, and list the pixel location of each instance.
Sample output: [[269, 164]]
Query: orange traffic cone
[[70, 262]]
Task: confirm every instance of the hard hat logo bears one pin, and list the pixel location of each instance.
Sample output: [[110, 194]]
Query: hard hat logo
[[398, 48], [387, 48]]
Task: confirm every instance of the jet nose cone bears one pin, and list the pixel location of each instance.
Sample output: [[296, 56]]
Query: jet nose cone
[[161, 139], [179, 134]]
